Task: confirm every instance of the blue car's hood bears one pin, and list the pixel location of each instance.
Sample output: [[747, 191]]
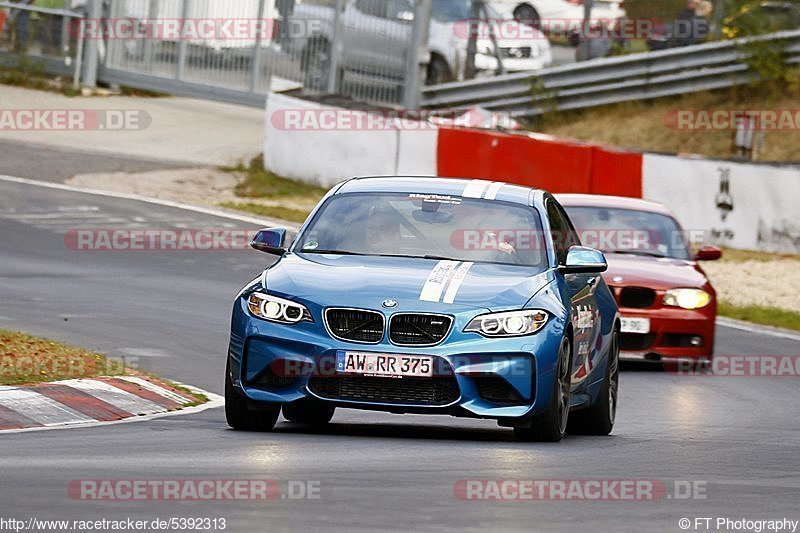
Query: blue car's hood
[[415, 284]]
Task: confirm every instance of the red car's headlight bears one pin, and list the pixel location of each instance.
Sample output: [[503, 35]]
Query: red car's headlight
[[687, 298]]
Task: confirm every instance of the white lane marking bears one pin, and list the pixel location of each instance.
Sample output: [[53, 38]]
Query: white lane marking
[[67, 223], [756, 328], [437, 280], [115, 396], [155, 201], [40, 408], [161, 391], [455, 283], [494, 188], [214, 401], [59, 215], [143, 352], [474, 189]]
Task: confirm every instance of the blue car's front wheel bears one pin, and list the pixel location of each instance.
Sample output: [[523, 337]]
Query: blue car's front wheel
[[551, 425], [599, 418]]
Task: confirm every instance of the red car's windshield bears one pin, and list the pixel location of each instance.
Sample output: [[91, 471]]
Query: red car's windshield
[[615, 230]]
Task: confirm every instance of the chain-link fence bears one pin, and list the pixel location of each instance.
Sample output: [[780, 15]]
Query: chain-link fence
[[353, 48], [374, 51], [178, 40], [42, 36]]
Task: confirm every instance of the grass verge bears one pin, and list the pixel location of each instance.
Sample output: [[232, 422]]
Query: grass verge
[[269, 211], [25, 360], [30, 74], [768, 316], [730, 255], [262, 183], [267, 194]]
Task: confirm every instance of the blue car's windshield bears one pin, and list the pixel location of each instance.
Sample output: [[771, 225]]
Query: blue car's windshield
[[629, 231], [430, 226]]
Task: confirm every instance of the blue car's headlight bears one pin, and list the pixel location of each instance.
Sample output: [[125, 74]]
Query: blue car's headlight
[[277, 309], [509, 324]]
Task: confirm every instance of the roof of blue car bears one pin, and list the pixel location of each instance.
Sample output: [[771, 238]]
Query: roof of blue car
[[506, 192]]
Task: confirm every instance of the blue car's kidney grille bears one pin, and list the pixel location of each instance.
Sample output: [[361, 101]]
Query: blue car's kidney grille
[[419, 329], [410, 391], [355, 325]]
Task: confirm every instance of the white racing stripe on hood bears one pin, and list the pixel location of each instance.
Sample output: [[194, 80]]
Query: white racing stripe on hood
[[437, 280], [455, 283]]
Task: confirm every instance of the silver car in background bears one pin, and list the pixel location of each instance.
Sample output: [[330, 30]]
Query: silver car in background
[[540, 13], [377, 36]]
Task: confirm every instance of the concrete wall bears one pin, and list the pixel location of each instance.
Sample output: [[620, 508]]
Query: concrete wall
[[322, 152], [741, 205]]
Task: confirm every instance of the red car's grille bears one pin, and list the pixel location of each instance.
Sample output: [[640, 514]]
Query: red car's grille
[[637, 297]]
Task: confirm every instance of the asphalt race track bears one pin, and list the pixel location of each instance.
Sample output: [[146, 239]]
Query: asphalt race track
[[737, 438]]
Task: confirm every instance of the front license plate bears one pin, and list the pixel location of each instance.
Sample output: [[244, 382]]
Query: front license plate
[[382, 364], [635, 325]]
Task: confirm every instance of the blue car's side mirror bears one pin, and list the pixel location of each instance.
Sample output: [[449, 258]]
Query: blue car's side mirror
[[583, 260], [270, 241]]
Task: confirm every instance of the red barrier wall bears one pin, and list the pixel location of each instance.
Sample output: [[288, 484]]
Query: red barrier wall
[[542, 161], [616, 172]]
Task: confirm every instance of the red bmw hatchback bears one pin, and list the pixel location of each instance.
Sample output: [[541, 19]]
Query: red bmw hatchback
[[668, 305]]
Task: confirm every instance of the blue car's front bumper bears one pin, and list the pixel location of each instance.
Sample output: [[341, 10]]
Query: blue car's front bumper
[[489, 378]]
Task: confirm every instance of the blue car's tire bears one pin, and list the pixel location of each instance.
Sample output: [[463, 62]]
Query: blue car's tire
[[243, 415], [599, 418], [308, 411], [551, 426]]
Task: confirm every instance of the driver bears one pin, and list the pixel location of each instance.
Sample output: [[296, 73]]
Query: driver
[[383, 230]]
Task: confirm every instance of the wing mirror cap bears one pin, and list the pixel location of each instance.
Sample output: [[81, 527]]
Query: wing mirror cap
[[708, 253], [270, 240], [584, 260]]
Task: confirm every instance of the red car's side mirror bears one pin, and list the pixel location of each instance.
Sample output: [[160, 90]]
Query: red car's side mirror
[[708, 253]]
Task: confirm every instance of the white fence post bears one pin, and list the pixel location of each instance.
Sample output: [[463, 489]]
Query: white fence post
[[418, 55], [91, 49]]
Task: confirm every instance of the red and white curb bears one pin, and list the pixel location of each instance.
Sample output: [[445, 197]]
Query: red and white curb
[[88, 402]]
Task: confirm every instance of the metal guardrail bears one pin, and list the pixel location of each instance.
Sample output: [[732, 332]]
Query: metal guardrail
[[610, 80]]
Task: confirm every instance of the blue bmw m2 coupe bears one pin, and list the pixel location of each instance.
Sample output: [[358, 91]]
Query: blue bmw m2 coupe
[[428, 295]]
